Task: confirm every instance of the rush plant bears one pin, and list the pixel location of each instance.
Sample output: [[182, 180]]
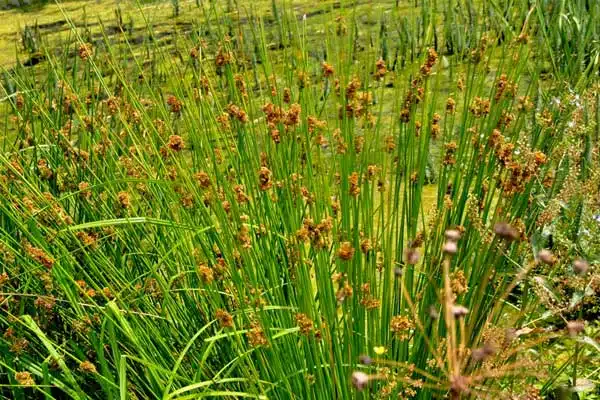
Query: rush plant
[[339, 202]]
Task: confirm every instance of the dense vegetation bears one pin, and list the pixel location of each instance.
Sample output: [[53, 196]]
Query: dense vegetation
[[288, 200]]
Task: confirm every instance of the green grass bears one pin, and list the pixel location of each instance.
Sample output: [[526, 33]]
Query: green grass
[[195, 208]]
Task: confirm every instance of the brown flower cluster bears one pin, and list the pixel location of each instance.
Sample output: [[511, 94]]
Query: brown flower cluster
[[380, 69], [432, 57], [413, 96], [225, 319], [480, 107], [316, 233], [256, 335], [354, 182], [175, 104], [39, 255], [223, 57], [24, 378], [237, 112], [328, 70], [264, 178], [520, 174], [344, 292], [435, 126], [401, 325], [450, 152], [175, 143], [305, 324], [87, 367], [458, 283], [367, 300], [450, 105], [346, 251], [504, 86], [203, 179], [85, 51], [206, 273]]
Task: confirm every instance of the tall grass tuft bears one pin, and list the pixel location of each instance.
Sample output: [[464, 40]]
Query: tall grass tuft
[[286, 204]]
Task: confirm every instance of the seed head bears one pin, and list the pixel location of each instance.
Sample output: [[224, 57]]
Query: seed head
[[176, 143], [206, 273], [203, 179], [225, 319], [433, 313], [546, 257], [580, 266], [365, 359], [506, 231], [484, 352], [359, 380], [450, 105], [459, 311], [124, 200], [256, 335], [264, 176], [366, 246], [86, 366], [412, 255], [24, 378], [398, 272], [453, 235], [575, 327], [305, 324], [344, 292], [346, 251], [450, 247], [401, 325], [328, 69], [85, 51], [175, 104]]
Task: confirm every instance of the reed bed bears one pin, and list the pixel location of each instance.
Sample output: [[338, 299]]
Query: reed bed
[[301, 201]]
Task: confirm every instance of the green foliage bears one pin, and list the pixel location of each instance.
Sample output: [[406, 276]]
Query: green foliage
[[282, 202]]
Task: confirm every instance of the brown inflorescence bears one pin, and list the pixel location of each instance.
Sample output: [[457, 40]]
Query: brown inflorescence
[[225, 319], [401, 325], [346, 251]]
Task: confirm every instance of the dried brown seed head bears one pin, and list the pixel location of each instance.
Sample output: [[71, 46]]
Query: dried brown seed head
[[453, 235], [225, 319], [450, 247], [365, 359], [575, 327], [412, 255], [86, 366], [24, 378], [346, 251], [546, 257], [459, 311], [360, 380], [433, 312], [506, 231], [580, 266]]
